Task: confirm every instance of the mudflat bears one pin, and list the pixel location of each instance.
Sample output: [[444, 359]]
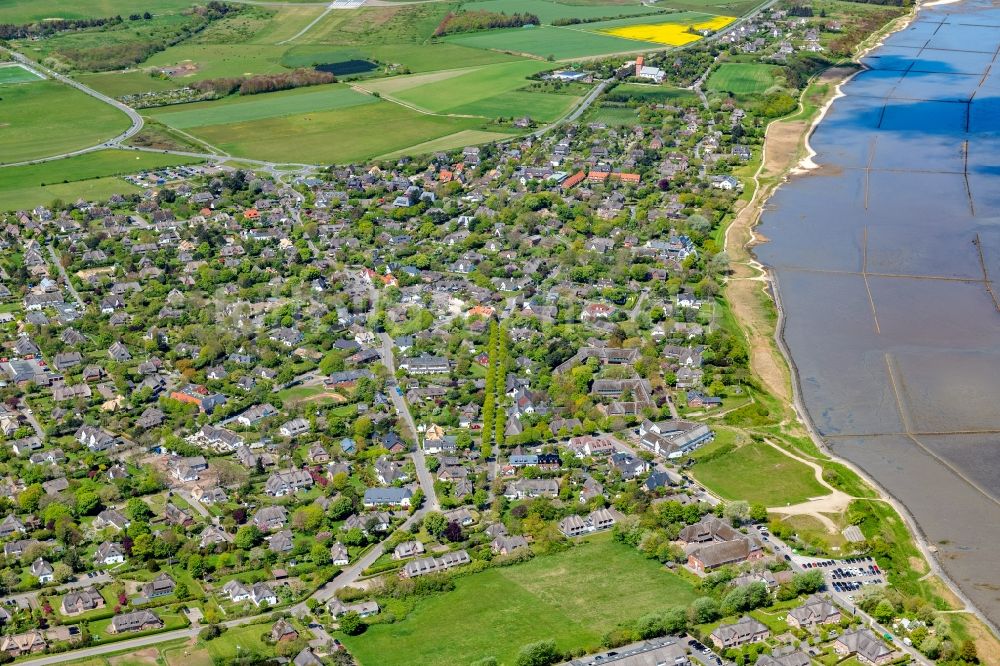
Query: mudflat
[[885, 257]]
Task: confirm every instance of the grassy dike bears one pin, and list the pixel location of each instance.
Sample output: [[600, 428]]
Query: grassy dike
[[747, 294]]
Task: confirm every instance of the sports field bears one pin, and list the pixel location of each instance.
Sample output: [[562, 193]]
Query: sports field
[[93, 175], [742, 78], [556, 596], [672, 33], [10, 74], [48, 118], [259, 107]]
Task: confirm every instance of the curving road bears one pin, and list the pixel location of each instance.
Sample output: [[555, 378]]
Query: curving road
[[41, 70]]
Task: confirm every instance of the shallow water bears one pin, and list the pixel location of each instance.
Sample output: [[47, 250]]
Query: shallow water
[[884, 259]]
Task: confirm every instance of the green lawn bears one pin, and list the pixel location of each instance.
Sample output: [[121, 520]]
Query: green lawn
[[246, 637], [449, 142], [742, 78], [572, 597], [49, 118], [559, 42], [91, 176], [756, 472], [238, 109], [16, 74], [654, 93]]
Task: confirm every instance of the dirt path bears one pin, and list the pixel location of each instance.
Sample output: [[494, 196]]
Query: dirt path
[[836, 502]]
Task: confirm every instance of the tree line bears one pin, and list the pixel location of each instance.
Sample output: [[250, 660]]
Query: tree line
[[263, 83], [483, 20], [47, 28]]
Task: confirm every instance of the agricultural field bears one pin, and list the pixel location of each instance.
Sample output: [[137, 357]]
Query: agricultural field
[[44, 118], [653, 93], [676, 32], [334, 136], [742, 78], [91, 176], [555, 597], [259, 107], [18, 11], [449, 142], [548, 11], [490, 91], [758, 472], [559, 43]]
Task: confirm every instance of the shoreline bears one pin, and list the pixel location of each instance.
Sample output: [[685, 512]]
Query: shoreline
[[771, 289]]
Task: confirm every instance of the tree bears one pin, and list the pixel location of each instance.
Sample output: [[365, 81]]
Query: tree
[[61, 572], [341, 508], [968, 652], [137, 510], [736, 512], [541, 653], [352, 624], [453, 532], [758, 513], [808, 582], [435, 524], [247, 537], [884, 611], [703, 610]]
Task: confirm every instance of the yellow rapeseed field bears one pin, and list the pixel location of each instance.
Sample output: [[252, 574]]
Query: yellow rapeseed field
[[672, 34]]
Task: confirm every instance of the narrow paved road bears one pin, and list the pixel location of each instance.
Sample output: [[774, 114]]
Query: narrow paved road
[[62, 274]]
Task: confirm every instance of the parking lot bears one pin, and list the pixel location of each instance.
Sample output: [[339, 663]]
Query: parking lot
[[846, 576]]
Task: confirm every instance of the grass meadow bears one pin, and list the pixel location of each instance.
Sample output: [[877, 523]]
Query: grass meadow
[[548, 11], [48, 118], [742, 78], [10, 74], [560, 43], [238, 109], [756, 472], [562, 597], [93, 175]]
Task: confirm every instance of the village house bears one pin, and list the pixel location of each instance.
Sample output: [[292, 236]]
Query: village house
[[745, 630]]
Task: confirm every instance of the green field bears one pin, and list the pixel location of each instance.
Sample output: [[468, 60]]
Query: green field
[[49, 118], [490, 91], [417, 58], [91, 176], [19, 11], [562, 597], [548, 11], [742, 78], [756, 472], [332, 137], [238, 109], [10, 74], [449, 142], [682, 18], [561, 43]]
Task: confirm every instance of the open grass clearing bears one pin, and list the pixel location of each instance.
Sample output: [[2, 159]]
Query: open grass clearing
[[557, 597], [414, 24], [727, 7], [49, 118], [654, 93], [742, 78], [756, 472], [416, 58], [90, 176], [247, 637], [332, 137], [561, 43], [244, 108], [15, 74]]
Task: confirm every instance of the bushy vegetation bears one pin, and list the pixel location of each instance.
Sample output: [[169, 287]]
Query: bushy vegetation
[[264, 83], [483, 20], [47, 28]]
